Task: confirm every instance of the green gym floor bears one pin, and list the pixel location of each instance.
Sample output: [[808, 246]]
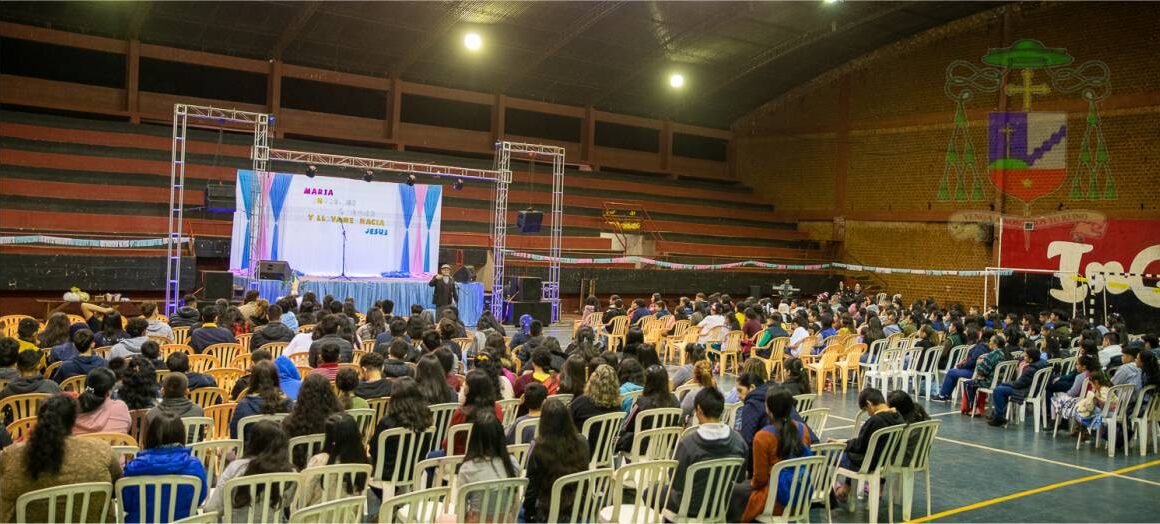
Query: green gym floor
[[984, 474]]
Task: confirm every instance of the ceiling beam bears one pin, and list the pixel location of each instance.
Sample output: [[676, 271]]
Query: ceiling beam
[[768, 56], [452, 14], [597, 12], [305, 13], [137, 20], [658, 56]]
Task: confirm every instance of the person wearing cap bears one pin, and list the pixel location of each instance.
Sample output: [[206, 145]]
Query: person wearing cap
[[446, 293]]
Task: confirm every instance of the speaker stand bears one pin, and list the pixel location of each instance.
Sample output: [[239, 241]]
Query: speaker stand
[[342, 276]]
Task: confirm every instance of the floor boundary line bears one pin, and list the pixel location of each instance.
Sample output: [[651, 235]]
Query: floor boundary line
[[1034, 491], [1045, 460]]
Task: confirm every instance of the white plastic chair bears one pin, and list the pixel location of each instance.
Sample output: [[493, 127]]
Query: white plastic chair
[[649, 483], [79, 502], [490, 500], [804, 402], [806, 473], [441, 415], [246, 421], [197, 429], [151, 490], [342, 511], [657, 418], [333, 480], [885, 371], [417, 507], [1146, 403], [365, 418], [520, 429], [815, 419], [510, 409], [884, 444], [832, 452], [212, 454], [927, 371], [1117, 409], [1017, 410], [719, 476], [307, 445], [909, 367], [408, 447], [606, 428], [590, 492], [200, 518], [453, 435], [729, 417], [520, 454], [562, 397], [438, 472], [262, 488], [917, 440], [1002, 373], [655, 444]]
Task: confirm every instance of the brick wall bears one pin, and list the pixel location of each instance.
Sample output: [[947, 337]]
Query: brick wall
[[874, 151]]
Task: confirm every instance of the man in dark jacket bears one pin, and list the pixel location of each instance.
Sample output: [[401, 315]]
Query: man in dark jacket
[[881, 416], [188, 315], [30, 381], [328, 327], [179, 362], [273, 331], [209, 333], [712, 440], [396, 365], [965, 368], [445, 293], [84, 362], [373, 384], [396, 328], [1018, 390]]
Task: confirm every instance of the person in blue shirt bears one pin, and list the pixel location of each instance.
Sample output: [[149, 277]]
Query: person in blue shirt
[[84, 362], [966, 367], [164, 454]]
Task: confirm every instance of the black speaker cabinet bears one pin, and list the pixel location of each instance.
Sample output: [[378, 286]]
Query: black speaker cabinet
[[219, 198], [755, 290], [524, 289], [273, 270], [530, 221], [541, 311], [218, 284]]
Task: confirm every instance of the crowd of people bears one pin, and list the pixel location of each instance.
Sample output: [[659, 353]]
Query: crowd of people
[[419, 361]]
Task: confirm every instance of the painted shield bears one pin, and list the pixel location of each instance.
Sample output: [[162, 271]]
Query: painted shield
[[1028, 153]]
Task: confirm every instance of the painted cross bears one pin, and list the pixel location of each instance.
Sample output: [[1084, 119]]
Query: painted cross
[[1027, 156], [1027, 89]]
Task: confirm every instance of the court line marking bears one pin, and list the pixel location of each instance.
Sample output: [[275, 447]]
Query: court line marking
[[1027, 493]]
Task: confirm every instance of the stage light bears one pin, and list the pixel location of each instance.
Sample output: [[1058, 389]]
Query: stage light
[[410, 180], [311, 170], [473, 41], [458, 185], [677, 80], [368, 176]]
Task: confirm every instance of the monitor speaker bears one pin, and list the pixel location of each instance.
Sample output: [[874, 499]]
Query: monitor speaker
[[524, 289], [219, 198], [273, 270], [541, 311], [218, 284], [530, 221]]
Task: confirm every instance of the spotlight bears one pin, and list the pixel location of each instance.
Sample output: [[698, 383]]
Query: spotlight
[[368, 176], [458, 185], [473, 41], [311, 170], [410, 180], [677, 80]]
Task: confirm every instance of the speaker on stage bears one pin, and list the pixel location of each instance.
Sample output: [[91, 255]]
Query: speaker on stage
[[541, 311], [219, 198], [464, 274], [218, 284], [273, 270], [524, 289], [530, 221]]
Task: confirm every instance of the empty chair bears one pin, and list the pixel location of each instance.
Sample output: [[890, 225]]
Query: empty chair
[[648, 482], [832, 452], [912, 457], [883, 445]]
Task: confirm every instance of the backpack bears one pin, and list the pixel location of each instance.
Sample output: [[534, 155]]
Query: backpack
[[786, 477]]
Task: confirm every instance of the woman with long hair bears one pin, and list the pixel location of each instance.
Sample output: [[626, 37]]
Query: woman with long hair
[[55, 332], [796, 379], [316, 402], [873, 331], [782, 439], [343, 445], [267, 451], [375, 325], [631, 376], [559, 450], [486, 459], [164, 453], [407, 409], [584, 344], [497, 374], [53, 457], [703, 378], [574, 375], [479, 396], [656, 395], [432, 381], [263, 396], [98, 412], [112, 330], [600, 396], [138, 384]]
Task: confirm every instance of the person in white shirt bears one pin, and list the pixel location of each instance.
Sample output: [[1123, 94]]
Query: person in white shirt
[[1129, 372], [714, 319], [799, 334], [1111, 349]]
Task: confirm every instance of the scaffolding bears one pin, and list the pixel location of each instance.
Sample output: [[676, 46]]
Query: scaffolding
[[261, 155]]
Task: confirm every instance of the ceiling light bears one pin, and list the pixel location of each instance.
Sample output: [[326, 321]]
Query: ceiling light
[[677, 80], [368, 176], [311, 170], [473, 41], [830, 1], [458, 184], [410, 180]]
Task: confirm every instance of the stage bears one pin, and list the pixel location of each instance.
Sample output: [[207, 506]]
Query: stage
[[365, 291]]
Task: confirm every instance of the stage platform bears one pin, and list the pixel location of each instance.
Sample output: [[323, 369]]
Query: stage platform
[[402, 291]]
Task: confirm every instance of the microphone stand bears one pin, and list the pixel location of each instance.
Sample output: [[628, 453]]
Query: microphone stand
[[343, 275]]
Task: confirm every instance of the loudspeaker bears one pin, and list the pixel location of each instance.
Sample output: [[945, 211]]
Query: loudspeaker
[[755, 290], [273, 270], [541, 311], [464, 274], [218, 284], [530, 221], [524, 289], [219, 198]]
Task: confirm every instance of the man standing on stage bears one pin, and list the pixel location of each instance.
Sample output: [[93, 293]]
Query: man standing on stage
[[446, 293]]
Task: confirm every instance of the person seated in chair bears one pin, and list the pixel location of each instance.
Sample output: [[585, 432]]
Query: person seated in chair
[[209, 333], [712, 440], [178, 362], [273, 331], [858, 448], [1018, 390]]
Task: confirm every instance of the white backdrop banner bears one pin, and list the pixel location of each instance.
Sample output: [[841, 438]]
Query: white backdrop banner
[[389, 229]]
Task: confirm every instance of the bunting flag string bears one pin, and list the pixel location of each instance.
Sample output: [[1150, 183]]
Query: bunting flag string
[[759, 264], [87, 242]]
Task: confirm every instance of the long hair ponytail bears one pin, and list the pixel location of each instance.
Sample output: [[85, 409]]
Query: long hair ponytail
[[54, 423], [780, 404], [98, 384]]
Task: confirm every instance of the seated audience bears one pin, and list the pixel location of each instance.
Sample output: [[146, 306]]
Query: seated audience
[[574, 376], [9, 349], [782, 439], [156, 326], [316, 402], [187, 315], [1018, 390], [174, 400], [432, 381], [97, 412], [267, 451], [210, 333], [858, 448], [31, 380], [541, 373], [965, 368], [326, 332], [1129, 370], [275, 330], [131, 345], [533, 400], [163, 452], [152, 352], [259, 355], [631, 377], [680, 375], [373, 385], [486, 458], [343, 445], [702, 378], [711, 440], [559, 450], [346, 381], [289, 381], [263, 397], [84, 361], [600, 397], [112, 329], [656, 395], [327, 366], [407, 409], [139, 387], [178, 362]]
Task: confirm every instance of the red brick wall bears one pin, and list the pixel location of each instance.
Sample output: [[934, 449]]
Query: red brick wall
[[899, 122]]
